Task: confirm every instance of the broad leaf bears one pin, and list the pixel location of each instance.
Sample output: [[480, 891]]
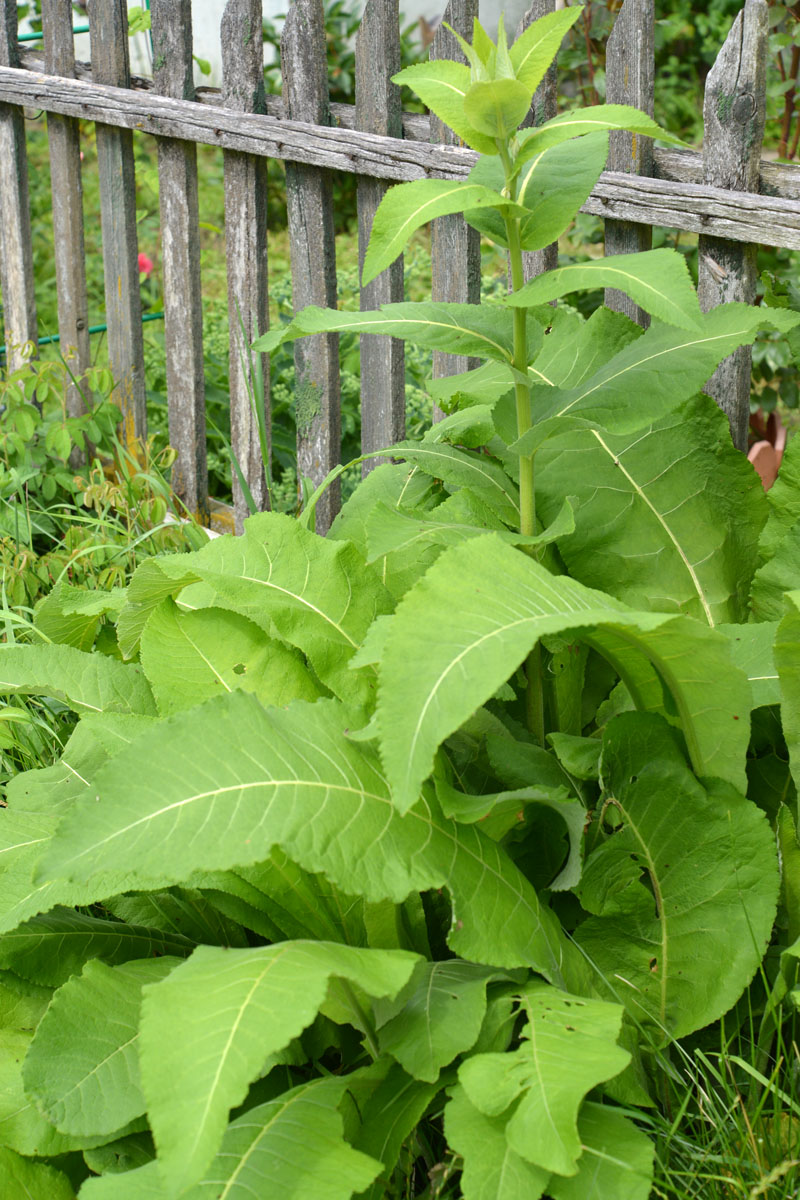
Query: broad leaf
[[787, 660], [667, 519], [707, 859], [569, 1045], [651, 377], [779, 575], [460, 468], [191, 656], [86, 682], [617, 1159], [71, 615], [752, 650], [390, 1115], [26, 1179], [22, 1003], [783, 499], [552, 187], [315, 594], [438, 1016], [485, 330], [492, 1170], [441, 86], [208, 1028], [82, 1068], [469, 623], [291, 777], [589, 120], [658, 280], [50, 948]]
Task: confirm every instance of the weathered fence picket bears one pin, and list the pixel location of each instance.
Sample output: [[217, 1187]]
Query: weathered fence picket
[[180, 249], [108, 20], [734, 114], [16, 250], [726, 195], [630, 79], [63, 135], [309, 201], [246, 255]]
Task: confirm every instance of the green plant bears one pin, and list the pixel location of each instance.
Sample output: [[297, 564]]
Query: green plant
[[396, 863]]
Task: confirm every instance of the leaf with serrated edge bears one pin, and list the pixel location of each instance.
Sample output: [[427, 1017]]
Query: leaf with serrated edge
[[492, 1170], [291, 777], [82, 1068], [708, 858], [86, 682], [568, 1046], [658, 280], [469, 623], [207, 1029]]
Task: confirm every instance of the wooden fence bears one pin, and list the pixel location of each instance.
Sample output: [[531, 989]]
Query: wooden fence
[[726, 194]]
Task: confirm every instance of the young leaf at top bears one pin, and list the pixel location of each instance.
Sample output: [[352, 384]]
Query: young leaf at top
[[560, 1029], [207, 1030], [441, 86], [496, 106], [708, 858], [534, 50], [657, 280]]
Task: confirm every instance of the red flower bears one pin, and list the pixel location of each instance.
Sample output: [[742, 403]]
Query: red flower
[[145, 265]]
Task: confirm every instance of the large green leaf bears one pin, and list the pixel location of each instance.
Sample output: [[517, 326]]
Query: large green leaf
[[49, 948], [568, 1046], [407, 206], [780, 574], [387, 1117], [22, 1003], [437, 1017], [589, 120], [191, 656], [207, 1029], [492, 1169], [667, 519], [656, 373], [315, 594], [783, 499], [658, 280], [469, 623], [82, 1068], [462, 468], [617, 1159], [86, 682], [707, 859], [441, 86], [787, 660], [482, 330], [26, 1179], [291, 777], [752, 650], [552, 187]]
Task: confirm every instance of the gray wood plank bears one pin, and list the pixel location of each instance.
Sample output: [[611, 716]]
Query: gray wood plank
[[16, 255], [383, 414], [108, 23], [733, 114], [246, 249], [543, 108], [455, 248], [630, 79], [63, 135], [676, 198], [171, 32], [310, 212]]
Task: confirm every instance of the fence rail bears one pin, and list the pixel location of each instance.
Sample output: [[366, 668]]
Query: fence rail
[[678, 189]]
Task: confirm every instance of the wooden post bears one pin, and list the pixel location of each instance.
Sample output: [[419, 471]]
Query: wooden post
[[733, 115], [63, 135], [630, 79], [108, 24], [543, 108], [16, 254], [246, 249], [455, 247], [383, 414], [309, 203], [180, 248]]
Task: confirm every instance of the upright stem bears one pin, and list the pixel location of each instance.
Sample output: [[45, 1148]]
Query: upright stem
[[534, 702]]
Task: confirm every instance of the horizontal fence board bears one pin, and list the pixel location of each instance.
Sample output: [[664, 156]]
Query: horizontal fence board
[[677, 203]]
